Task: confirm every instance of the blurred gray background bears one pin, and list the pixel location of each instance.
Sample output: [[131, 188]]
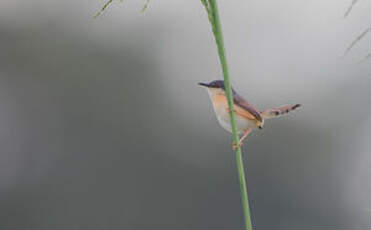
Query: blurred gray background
[[103, 125]]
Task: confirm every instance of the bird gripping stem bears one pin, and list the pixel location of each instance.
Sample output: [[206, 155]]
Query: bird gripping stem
[[213, 14]]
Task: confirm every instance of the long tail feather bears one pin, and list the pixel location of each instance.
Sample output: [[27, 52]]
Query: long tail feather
[[275, 112]]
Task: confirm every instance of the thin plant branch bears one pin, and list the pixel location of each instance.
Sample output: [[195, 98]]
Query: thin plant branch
[[110, 1], [103, 8], [364, 33], [213, 14], [350, 8], [145, 6]]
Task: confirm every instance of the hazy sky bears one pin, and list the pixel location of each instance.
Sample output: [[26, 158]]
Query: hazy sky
[[103, 123]]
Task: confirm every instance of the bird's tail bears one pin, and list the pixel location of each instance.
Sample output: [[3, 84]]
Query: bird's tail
[[275, 112]]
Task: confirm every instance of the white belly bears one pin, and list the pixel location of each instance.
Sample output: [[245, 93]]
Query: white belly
[[220, 106], [242, 123]]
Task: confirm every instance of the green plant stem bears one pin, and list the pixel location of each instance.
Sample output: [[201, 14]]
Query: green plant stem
[[103, 8], [212, 9]]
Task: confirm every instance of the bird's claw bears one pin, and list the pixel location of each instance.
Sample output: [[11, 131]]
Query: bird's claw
[[234, 146], [228, 110]]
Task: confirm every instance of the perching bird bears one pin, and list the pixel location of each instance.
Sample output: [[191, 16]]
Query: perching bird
[[247, 117]]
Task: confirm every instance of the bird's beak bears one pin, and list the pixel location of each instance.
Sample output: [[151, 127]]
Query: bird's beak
[[203, 84]]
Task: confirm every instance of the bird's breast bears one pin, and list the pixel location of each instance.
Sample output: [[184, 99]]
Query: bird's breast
[[220, 105]]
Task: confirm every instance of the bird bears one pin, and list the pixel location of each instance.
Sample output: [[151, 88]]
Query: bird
[[248, 118]]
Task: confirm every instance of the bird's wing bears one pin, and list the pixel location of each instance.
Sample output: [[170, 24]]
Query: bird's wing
[[245, 109], [269, 113]]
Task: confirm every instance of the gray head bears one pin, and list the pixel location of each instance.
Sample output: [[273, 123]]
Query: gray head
[[217, 84]]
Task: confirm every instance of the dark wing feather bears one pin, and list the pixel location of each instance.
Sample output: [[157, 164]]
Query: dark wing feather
[[241, 102]]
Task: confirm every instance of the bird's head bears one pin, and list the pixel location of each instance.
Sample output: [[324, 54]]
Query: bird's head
[[216, 87], [217, 84]]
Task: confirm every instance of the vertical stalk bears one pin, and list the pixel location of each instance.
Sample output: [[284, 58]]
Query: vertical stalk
[[213, 13]]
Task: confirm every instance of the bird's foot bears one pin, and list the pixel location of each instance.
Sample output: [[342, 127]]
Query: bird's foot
[[229, 111], [234, 146]]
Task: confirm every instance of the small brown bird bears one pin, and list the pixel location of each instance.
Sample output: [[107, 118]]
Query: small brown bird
[[247, 117]]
